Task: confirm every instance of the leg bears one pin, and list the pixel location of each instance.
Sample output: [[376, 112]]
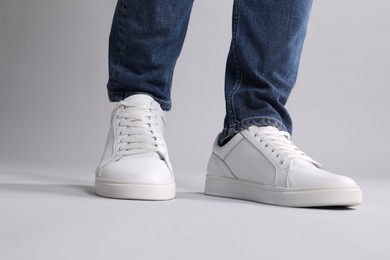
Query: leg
[[145, 41], [254, 158], [263, 62]]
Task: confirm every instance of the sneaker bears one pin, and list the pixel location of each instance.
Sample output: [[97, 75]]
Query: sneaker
[[135, 163], [262, 164]]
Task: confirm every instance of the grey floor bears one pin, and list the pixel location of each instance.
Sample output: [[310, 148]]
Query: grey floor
[[54, 214]]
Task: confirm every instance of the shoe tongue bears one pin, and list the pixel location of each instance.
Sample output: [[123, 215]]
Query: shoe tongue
[[139, 98]]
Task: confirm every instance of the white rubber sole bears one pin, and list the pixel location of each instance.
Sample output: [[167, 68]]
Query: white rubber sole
[[246, 190], [135, 191]]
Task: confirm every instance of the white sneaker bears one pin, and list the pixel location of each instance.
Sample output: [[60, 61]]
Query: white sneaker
[[135, 163], [261, 164]]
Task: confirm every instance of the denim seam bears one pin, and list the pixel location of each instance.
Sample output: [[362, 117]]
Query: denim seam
[[230, 107], [259, 121], [124, 94], [170, 79], [246, 123], [122, 9]]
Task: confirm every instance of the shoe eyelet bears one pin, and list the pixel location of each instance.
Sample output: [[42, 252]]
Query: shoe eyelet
[[281, 162]]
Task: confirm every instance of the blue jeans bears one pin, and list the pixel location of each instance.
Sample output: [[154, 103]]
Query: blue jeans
[[262, 65]]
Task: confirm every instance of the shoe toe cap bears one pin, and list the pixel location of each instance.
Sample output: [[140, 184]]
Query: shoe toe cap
[[303, 174], [137, 171]]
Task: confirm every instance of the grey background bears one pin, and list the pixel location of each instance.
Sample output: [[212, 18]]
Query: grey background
[[53, 70], [54, 117]]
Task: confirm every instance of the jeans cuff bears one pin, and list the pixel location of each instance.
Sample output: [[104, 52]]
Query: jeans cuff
[[228, 133], [116, 96]]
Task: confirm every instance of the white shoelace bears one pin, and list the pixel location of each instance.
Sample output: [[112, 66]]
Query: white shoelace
[[279, 144], [139, 131]]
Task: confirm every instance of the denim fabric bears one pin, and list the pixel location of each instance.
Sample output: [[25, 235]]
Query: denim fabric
[[145, 41], [267, 39]]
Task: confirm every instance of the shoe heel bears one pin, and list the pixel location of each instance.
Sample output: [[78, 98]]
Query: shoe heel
[[226, 187], [216, 167]]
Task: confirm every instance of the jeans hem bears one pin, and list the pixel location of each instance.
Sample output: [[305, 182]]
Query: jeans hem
[[116, 96], [228, 133]]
